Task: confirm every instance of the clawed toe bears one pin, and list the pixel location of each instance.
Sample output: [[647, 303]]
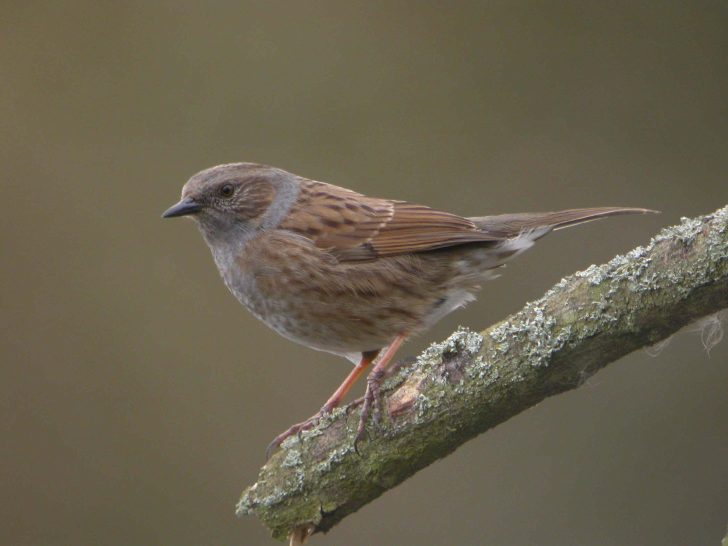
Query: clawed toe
[[371, 399], [296, 429]]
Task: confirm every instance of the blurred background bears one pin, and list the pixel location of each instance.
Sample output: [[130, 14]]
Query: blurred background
[[137, 396]]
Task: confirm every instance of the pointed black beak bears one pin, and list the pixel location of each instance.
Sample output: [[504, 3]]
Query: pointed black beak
[[183, 208]]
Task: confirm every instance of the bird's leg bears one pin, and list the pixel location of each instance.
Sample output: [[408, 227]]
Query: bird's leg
[[333, 402], [371, 396], [389, 372]]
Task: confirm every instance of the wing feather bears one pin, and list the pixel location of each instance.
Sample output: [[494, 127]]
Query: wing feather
[[355, 227]]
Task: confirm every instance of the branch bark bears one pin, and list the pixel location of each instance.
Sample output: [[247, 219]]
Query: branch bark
[[472, 381]]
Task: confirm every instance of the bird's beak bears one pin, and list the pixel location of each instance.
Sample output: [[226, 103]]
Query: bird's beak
[[183, 208]]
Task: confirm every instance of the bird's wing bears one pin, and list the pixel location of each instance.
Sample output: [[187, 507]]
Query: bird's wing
[[355, 227]]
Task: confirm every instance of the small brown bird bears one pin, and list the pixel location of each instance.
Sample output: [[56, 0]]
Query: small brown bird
[[348, 274]]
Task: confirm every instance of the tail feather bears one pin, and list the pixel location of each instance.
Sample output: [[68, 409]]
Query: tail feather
[[507, 226]]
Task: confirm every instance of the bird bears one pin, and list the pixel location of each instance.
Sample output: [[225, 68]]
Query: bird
[[341, 272]]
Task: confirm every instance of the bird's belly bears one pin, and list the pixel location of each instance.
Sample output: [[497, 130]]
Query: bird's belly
[[334, 325], [341, 308]]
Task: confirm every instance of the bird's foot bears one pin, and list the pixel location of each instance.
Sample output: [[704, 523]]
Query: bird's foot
[[372, 399], [297, 429]]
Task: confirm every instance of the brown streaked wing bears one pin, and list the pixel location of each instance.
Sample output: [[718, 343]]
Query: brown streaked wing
[[356, 227], [417, 228]]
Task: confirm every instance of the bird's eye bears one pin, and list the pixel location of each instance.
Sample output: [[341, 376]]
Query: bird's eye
[[227, 190]]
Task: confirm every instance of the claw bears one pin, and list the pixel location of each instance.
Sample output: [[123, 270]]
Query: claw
[[296, 429], [371, 397], [366, 358]]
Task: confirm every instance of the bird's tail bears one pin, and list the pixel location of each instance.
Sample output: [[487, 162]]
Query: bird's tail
[[507, 226]]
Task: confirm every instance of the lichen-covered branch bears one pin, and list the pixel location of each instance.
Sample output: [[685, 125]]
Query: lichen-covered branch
[[473, 381]]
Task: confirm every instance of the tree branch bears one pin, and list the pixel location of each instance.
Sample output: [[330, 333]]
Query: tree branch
[[471, 382]]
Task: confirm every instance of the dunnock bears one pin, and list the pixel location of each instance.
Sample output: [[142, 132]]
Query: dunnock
[[352, 275]]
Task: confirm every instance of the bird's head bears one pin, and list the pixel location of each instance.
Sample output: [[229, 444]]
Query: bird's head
[[238, 197]]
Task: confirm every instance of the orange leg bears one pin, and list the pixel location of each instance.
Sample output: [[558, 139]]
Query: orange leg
[[333, 402], [373, 380], [336, 398]]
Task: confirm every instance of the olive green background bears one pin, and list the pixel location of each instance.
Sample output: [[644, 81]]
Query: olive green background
[[137, 396]]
